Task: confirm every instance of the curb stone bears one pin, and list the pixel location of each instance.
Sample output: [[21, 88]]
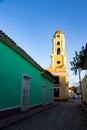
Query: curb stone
[[14, 119]]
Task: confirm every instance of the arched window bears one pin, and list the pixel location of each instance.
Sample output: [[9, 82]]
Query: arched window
[[58, 43], [58, 50], [58, 35]]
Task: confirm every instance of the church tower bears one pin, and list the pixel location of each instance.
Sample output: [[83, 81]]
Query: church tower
[[58, 66]]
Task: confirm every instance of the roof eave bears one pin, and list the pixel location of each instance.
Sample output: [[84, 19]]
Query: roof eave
[[48, 75], [9, 42]]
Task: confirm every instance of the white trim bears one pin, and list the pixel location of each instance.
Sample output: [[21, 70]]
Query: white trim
[[9, 108], [43, 94], [35, 105], [22, 88], [52, 94], [47, 103], [26, 75]]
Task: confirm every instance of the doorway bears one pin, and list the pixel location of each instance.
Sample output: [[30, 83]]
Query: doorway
[[43, 95], [56, 92], [25, 93], [52, 94]]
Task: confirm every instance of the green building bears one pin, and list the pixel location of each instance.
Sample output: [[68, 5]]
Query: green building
[[23, 82]]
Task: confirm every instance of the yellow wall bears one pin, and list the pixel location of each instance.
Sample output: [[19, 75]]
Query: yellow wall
[[58, 65], [84, 89], [71, 94]]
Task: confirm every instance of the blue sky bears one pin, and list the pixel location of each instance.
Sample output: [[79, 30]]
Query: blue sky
[[32, 24]]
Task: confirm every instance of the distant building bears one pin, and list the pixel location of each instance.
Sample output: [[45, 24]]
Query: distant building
[[23, 82], [71, 94], [58, 66]]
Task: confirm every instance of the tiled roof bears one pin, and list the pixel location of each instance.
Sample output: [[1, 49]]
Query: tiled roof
[[9, 42], [58, 32]]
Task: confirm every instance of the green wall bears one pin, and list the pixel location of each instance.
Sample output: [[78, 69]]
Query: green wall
[[48, 85], [12, 67]]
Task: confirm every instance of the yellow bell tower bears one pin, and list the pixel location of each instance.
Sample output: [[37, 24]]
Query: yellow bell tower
[[58, 66]]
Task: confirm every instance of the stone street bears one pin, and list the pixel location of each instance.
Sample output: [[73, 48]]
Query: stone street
[[69, 115]]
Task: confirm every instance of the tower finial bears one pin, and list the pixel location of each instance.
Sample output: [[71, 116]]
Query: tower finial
[[58, 32]]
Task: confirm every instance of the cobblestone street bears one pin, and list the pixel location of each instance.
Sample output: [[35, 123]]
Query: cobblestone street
[[68, 115]]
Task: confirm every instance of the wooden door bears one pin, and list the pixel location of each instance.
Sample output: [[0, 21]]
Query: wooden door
[[43, 95], [25, 93], [52, 94]]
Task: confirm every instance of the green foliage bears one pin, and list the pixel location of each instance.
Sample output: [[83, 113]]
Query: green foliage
[[77, 61]]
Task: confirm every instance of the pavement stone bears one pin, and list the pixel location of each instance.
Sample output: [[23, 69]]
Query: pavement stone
[[69, 115], [23, 115]]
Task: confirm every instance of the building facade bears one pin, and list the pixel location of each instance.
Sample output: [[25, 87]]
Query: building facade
[[84, 80], [23, 82], [58, 66]]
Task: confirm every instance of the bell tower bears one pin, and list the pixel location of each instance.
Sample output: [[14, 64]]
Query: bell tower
[[58, 66], [58, 52]]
